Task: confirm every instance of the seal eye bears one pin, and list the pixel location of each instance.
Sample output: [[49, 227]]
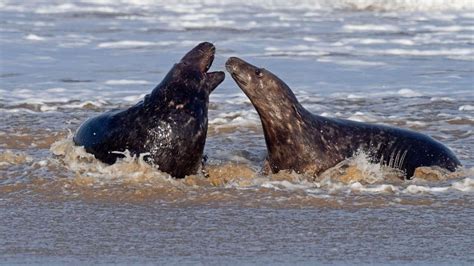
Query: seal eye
[[259, 73]]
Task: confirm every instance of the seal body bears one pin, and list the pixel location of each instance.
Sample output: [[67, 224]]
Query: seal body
[[168, 127], [301, 141]]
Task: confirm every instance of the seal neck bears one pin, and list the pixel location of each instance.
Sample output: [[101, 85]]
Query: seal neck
[[281, 126]]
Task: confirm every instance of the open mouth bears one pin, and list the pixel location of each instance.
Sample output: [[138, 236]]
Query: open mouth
[[207, 53], [200, 56], [210, 60]]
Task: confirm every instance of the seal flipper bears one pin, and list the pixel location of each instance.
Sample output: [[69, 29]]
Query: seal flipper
[[266, 168]]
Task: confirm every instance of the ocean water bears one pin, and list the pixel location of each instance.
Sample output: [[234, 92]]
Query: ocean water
[[403, 63]]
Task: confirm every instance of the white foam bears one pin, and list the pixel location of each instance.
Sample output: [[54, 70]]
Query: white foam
[[215, 6], [131, 44], [47, 108], [456, 28], [125, 170], [43, 58], [300, 47], [348, 62], [30, 99], [68, 7], [403, 5], [296, 50], [362, 117], [409, 93], [34, 37], [235, 118], [286, 185], [238, 98], [126, 82], [56, 90], [415, 189], [467, 15], [465, 185], [383, 188], [177, 24], [370, 27], [416, 124], [442, 99], [378, 5], [134, 98], [311, 39], [81, 105], [417, 52], [371, 41], [355, 96], [17, 110], [466, 107], [43, 24], [325, 51]]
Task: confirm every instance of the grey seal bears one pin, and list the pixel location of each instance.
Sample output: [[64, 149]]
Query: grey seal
[[169, 126], [306, 143]]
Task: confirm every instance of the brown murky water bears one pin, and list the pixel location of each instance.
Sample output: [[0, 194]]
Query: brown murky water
[[407, 64], [60, 205]]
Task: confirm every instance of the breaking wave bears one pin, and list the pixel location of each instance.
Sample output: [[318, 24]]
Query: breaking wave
[[354, 175], [118, 7]]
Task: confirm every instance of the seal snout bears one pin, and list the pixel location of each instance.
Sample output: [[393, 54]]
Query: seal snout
[[201, 56], [235, 66], [231, 65]]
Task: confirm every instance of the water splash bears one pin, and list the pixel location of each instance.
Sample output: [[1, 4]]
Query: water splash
[[354, 175]]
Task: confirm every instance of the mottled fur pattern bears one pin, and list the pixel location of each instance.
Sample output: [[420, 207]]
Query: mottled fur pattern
[[306, 143], [169, 125]]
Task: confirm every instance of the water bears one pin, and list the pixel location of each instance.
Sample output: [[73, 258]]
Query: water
[[402, 63]]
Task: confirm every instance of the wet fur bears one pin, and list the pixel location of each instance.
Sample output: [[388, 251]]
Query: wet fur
[[169, 125], [301, 141]]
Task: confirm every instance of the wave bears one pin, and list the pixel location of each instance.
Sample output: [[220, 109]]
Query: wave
[[355, 5], [180, 6], [402, 5], [75, 174], [353, 174]]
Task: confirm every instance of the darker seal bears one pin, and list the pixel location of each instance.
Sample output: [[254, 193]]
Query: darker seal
[[169, 125], [300, 141]]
